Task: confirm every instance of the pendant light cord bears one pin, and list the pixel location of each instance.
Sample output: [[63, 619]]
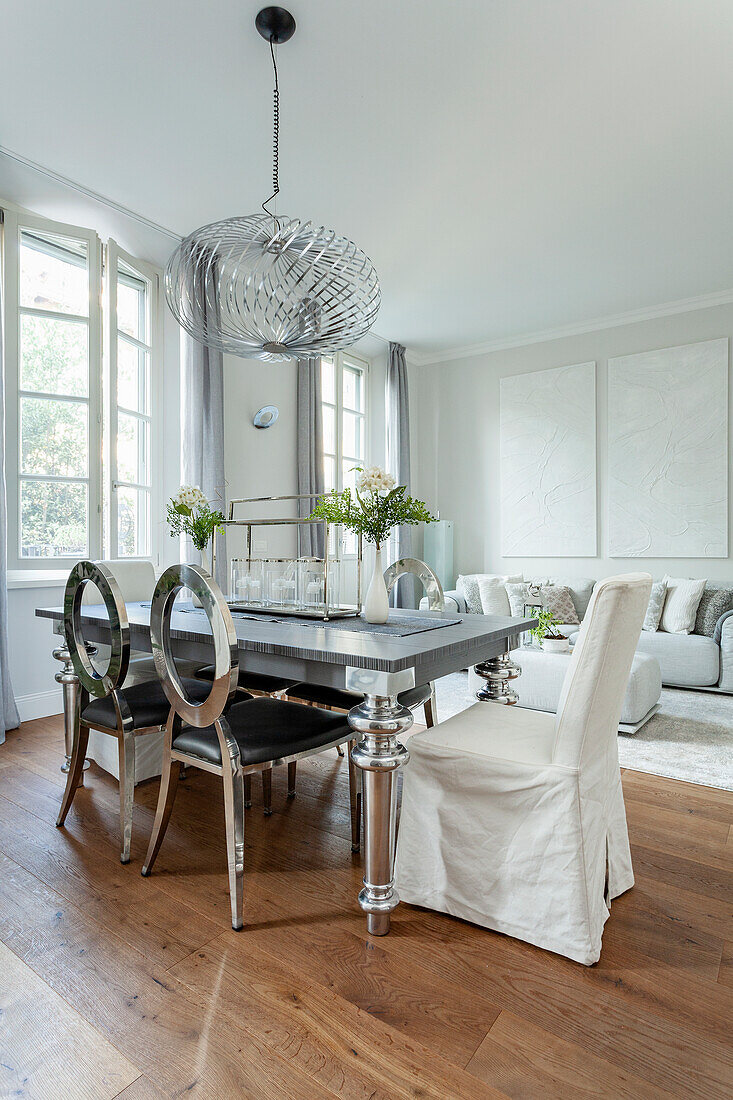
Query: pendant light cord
[[275, 139]]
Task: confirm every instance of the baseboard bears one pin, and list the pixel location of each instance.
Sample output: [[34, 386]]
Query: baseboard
[[43, 704]]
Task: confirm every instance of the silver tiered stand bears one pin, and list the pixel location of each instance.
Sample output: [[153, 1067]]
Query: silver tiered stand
[[340, 612]]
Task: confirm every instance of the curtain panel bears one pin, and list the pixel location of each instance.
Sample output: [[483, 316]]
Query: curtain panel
[[310, 450], [9, 717], [404, 593]]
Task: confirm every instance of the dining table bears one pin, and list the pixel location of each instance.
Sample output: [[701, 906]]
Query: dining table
[[379, 661]]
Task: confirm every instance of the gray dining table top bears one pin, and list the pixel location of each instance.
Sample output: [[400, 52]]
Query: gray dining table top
[[281, 645]]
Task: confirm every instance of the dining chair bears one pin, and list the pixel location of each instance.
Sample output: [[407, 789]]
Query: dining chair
[[120, 711], [228, 738], [341, 700], [259, 683], [535, 844]]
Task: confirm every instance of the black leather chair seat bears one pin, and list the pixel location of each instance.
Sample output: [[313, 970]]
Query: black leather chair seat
[[266, 729], [338, 697], [147, 702], [252, 681]]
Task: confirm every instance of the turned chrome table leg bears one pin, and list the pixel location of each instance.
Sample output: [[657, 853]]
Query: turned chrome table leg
[[498, 672], [379, 720], [71, 687]]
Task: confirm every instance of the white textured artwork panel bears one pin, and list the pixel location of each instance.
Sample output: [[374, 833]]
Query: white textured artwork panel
[[668, 452], [548, 462]]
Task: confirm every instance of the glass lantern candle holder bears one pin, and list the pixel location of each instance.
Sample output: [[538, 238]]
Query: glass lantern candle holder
[[311, 584], [280, 583]]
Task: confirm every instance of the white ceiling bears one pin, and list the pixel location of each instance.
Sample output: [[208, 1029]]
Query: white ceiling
[[509, 165]]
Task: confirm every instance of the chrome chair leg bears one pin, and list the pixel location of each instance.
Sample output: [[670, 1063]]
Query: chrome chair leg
[[354, 801], [247, 791], [126, 757], [76, 769], [292, 770], [340, 750], [166, 797], [233, 782], [429, 707], [267, 791]]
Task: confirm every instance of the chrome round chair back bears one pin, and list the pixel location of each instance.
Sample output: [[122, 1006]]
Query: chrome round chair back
[[420, 569], [96, 683], [226, 661]]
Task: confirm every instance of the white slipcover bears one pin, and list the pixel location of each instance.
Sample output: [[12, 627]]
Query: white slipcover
[[514, 819]]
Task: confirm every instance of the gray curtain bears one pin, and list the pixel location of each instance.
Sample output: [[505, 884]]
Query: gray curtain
[[203, 435], [404, 594], [9, 717], [310, 450]]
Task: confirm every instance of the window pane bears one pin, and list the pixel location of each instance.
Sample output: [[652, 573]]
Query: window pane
[[133, 523], [352, 442], [132, 449], [132, 376], [54, 356], [53, 273], [329, 473], [329, 429], [349, 474], [53, 518], [131, 304], [53, 437], [328, 389], [352, 380]]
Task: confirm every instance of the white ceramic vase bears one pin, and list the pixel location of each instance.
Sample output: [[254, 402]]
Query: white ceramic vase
[[204, 565], [376, 606]]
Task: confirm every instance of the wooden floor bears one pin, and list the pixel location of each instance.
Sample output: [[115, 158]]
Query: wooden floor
[[112, 985]]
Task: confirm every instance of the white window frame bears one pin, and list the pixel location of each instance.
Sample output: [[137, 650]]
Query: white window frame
[[154, 278], [102, 539], [338, 406], [15, 221]]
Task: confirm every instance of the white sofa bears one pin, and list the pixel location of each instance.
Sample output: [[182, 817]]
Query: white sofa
[[685, 660]]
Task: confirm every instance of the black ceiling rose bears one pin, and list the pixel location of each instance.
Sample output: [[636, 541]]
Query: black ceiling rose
[[275, 24]]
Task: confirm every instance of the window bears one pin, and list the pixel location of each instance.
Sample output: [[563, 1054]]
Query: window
[[78, 422], [129, 427], [344, 402]]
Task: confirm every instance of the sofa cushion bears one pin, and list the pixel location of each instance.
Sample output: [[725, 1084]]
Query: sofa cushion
[[681, 604], [655, 606], [686, 660], [555, 598], [714, 603], [468, 587], [581, 590]]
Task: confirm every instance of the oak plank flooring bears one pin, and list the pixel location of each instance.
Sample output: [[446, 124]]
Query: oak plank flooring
[[48, 1051], [303, 1003]]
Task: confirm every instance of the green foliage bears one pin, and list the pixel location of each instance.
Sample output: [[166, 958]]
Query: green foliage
[[547, 625], [198, 523], [372, 514]]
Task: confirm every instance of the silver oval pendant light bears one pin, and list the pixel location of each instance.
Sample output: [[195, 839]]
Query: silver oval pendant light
[[270, 287]]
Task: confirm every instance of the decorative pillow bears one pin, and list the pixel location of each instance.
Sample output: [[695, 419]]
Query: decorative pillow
[[468, 586], [555, 598], [714, 603], [681, 604], [654, 608], [492, 593]]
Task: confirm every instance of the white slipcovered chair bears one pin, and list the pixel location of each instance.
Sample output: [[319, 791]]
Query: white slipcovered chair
[[514, 819]]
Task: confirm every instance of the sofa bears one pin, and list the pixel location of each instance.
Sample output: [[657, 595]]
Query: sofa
[[685, 660]]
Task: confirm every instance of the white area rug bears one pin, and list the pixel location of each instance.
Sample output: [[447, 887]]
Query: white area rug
[[691, 738]]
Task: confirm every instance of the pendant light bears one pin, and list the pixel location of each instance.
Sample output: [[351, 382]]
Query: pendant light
[[266, 286]]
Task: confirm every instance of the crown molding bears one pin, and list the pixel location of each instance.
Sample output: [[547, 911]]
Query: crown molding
[[666, 309]]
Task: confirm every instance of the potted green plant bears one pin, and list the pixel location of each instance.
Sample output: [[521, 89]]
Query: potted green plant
[[546, 633], [378, 505]]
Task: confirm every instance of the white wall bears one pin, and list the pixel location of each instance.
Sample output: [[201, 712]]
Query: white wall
[[31, 639], [455, 417]]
